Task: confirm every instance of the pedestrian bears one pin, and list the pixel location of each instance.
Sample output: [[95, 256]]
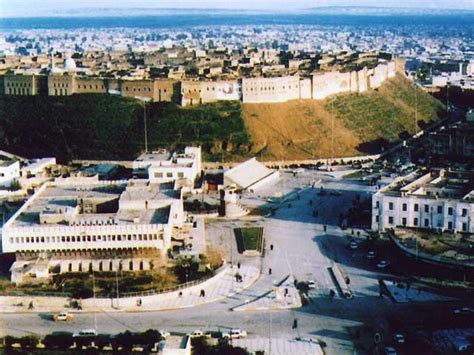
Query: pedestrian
[[270, 271], [238, 265], [295, 324], [180, 294], [202, 294], [271, 246], [30, 306]]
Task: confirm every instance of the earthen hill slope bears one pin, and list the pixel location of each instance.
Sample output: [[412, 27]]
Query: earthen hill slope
[[301, 129], [97, 126]]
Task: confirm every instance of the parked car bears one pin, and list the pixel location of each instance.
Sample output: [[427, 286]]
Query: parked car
[[463, 310], [399, 338], [199, 333], [311, 284], [389, 350], [63, 317], [371, 255], [353, 245], [85, 333], [383, 264], [234, 334], [164, 334]]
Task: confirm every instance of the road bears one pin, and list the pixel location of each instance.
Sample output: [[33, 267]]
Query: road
[[301, 248]]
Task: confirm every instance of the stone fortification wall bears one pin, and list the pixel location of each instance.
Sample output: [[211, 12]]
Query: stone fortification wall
[[195, 92], [277, 89], [202, 92]]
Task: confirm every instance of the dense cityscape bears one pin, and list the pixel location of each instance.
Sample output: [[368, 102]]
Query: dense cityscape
[[265, 183]]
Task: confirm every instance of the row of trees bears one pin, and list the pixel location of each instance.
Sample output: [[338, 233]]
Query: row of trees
[[63, 341]]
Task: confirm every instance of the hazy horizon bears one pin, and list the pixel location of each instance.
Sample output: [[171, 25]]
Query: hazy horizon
[[29, 8]]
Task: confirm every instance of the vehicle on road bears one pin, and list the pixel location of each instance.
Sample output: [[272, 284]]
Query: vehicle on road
[[164, 334], [383, 264], [234, 334], [389, 350], [353, 245], [199, 333], [399, 338], [85, 333], [311, 284], [371, 255], [463, 310], [63, 317]]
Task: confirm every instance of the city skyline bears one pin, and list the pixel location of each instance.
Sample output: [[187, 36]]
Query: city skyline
[[17, 8]]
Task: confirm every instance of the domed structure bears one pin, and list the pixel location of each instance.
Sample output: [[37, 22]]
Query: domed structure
[[69, 64]]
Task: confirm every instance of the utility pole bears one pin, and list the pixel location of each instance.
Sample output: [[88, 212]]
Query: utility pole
[[93, 292], [144, 125], [416, 107], [116, 283], [332, 130]]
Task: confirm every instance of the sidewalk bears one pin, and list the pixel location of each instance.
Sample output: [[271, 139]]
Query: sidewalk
[[282, 296], [220, 286]]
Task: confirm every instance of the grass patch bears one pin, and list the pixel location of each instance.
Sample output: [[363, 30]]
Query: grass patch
[[95, 126], [249, 239]]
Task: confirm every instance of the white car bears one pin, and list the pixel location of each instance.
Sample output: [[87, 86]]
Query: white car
[[86, 333], [399, 338], [390, 350], [234, 334], [311, 284], [164, 334], [383, 264], [63, 317], [353, 245], [199, 333], [463, 310], [371, 255]]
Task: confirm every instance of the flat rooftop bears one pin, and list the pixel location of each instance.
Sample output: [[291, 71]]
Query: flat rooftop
[[436, 183], [104, 203]]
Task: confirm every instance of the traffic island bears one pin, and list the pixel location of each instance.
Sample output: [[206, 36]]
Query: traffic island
[[250, 240]]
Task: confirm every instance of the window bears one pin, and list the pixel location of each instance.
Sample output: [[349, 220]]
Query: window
[[158, 175], [464, 212], [377, 219], [415, 222], [464, 227], [440, 209], [390, 220], [427, 222], [169, 175], [376, 204], [390, 205], [450, 225], [180, 174], [415, 207], [404, 207], [427, 208], [404, 221], [450, 211]]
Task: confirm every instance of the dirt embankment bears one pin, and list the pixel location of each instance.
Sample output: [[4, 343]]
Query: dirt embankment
[[302, 129]]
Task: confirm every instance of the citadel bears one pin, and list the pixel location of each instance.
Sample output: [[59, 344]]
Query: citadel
[[253, 77]]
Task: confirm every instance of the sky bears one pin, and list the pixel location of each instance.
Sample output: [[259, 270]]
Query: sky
[[21, 8]]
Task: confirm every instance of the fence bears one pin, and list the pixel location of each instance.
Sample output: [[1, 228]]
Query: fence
[[172, 289]]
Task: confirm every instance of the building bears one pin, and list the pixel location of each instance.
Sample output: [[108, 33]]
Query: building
[[37, 167], [455, 142], [163, 166], [437, 200], [9, 171], [202, 92], [250, 175], [83, 224], [25, 84]]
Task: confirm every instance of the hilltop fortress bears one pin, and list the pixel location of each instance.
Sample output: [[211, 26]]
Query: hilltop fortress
[[188, 92]]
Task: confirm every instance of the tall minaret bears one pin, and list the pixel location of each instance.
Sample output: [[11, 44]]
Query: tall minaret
[[53, 66]]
